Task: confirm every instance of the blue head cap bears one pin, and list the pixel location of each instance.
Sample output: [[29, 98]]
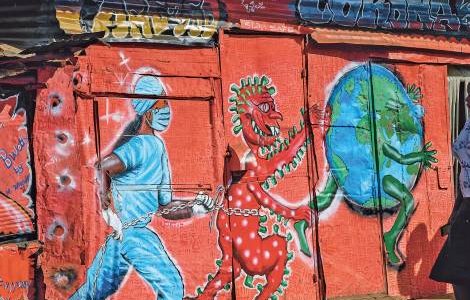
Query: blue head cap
[[150, 85]]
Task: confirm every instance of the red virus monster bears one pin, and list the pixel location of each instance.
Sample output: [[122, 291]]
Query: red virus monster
[[245, 243]]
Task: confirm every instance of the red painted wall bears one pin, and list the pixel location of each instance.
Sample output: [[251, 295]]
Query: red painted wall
[[197, 84]]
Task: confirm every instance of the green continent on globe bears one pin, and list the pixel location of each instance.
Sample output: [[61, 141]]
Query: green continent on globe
[[349, 140]]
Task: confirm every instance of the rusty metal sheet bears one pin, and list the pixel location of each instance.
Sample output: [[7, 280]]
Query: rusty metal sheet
[[415, 41], [29, 23]]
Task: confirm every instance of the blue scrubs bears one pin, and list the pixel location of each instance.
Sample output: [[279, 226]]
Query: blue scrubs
[[137, 192]]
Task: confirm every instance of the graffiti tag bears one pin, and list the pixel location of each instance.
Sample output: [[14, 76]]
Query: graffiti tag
[[119, 26], [435, 15], [9, 157]]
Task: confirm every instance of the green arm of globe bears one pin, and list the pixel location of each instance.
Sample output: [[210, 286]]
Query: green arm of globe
[[425, 156], [325, 197]]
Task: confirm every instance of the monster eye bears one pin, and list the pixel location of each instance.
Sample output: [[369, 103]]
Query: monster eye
[[264, 107]]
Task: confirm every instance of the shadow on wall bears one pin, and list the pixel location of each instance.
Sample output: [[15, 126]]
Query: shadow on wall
[[421, 254]]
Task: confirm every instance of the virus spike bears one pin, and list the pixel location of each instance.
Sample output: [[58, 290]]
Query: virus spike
[[256, 80], [286, 272], [279, 218], [247, 91], [294, 129], [259, 287], [235, 118], [289, 237], [234, 88], [260, 89], [288, 168], [210, 277], [265, 185], [272, 90], [291, 133], [263, 229], [279, 290], [276, 228], [233, 99], [263, 218], [284, 283], [264, 80], [233, 109], [243, 83], [273, 297], [237, 129], [199, 290], [227, 287], [273, 180], [248, 281], [248, 79], [290, 255]]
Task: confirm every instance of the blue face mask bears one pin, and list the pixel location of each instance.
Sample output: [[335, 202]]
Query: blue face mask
[[160, 118]]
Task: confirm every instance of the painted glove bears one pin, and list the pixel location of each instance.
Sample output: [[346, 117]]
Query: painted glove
[[206, 204], [113, 220]]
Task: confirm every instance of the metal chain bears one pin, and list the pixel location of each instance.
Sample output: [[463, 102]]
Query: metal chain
[[246, 212], [219, 200]]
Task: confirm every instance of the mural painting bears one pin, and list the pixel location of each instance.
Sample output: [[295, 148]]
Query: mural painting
[[255, 251], [135, 183], [164, 162], [375, 161], [350, 155], [16, 206]]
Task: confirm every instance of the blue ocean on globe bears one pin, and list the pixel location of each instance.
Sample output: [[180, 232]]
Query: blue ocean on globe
[[348, 140]]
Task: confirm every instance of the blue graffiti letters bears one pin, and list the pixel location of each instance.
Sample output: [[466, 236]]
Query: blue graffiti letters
[[9, 157], [430, 15]]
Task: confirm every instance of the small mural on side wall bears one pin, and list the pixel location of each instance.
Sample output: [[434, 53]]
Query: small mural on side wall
[[16, 206]]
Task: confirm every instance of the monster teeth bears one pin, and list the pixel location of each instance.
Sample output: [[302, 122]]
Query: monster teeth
[[256, 128], [273, 131]]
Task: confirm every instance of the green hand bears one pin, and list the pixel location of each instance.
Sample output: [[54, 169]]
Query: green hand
[[300, 228], [428, 155]]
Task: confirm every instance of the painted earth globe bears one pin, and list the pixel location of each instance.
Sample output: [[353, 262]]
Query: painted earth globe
[[369, 103]]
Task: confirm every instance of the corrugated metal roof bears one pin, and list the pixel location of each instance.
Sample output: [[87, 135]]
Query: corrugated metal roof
[[26, 23], [404, 40]]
